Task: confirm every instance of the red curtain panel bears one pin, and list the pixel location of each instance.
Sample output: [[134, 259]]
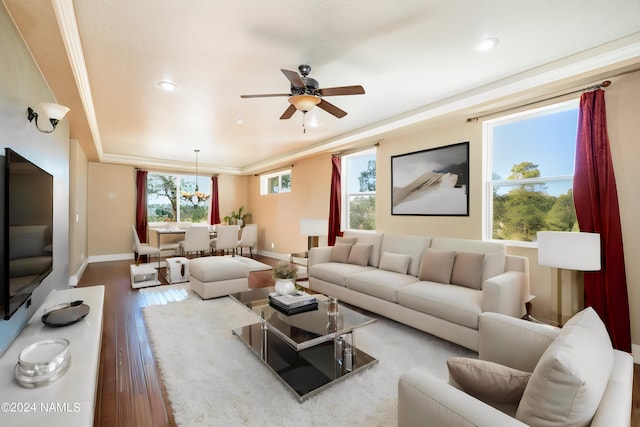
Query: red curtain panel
[[334, 201], [215, 204], [596, 201], [141, 205]]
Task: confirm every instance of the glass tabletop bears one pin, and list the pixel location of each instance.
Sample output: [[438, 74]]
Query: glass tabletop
[[302, 330]]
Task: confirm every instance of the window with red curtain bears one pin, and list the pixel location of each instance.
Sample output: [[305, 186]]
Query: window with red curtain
[[335, 200]]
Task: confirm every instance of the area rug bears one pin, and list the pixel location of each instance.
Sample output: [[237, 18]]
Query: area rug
[[212, 379]]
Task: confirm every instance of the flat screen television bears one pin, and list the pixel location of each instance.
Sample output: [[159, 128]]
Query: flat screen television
[[26, 230]]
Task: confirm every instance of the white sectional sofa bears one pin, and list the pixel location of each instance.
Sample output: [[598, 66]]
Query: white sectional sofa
[[435, 284]]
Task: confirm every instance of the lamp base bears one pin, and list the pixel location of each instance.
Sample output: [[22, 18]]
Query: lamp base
[[312, 242]]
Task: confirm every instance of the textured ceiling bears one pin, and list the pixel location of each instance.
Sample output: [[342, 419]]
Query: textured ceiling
[[415, 59]]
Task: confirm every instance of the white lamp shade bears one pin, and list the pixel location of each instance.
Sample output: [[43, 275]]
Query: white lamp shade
[[53, 111], [314, 227], [568, 250]]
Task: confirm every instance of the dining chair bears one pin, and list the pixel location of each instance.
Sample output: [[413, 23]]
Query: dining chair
[[143, 248], [227, 238], [249, 238], [196, 239]]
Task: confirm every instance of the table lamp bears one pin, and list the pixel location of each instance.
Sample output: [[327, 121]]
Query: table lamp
[[570, 251], [312, 228]]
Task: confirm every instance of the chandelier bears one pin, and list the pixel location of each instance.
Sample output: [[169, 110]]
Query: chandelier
[[197, 196]]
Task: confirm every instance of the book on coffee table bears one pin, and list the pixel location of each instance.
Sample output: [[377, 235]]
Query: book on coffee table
[[294, 310], [298, 299]]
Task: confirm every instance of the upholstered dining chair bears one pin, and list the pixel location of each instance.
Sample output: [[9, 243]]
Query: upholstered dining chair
[[196, 239], [227, 238], [249, 238], [143, 248]]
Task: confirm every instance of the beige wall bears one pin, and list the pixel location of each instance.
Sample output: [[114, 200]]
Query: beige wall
[[78, 215]]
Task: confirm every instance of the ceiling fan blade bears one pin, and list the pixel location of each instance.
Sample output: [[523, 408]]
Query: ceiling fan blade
[[294, 78], [332, 109], [266, 95], [288, 112], [342, 90]]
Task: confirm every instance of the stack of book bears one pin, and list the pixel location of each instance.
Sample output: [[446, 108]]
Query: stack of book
[[293, 304]]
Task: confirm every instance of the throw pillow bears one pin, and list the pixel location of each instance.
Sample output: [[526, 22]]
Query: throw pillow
[[467, 270], [436, 266], [340, 253], [488, 381], [359, 254], [398, 263], [569, 380], [346, 240]]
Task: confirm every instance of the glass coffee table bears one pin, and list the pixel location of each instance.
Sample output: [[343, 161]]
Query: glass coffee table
[[307, 351]]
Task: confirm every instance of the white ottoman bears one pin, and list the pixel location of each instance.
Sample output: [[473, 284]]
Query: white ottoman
[[215, 276]]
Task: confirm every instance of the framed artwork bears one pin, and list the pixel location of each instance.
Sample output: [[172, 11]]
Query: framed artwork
[[431, 182]]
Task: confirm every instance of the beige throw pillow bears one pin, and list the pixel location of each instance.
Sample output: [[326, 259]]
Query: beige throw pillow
[[359, 254], [436, 266], [467, 270], [398, 263], [569, 380], [340, 253], [488, 381], [346, 240]]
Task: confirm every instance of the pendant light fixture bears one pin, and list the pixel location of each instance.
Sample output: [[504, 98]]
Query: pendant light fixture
[[197, 196], [195, 199]]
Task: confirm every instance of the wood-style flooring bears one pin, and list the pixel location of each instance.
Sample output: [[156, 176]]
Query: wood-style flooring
[[130, 389]]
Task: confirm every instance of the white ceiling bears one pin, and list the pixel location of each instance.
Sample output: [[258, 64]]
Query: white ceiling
[[415, 59]]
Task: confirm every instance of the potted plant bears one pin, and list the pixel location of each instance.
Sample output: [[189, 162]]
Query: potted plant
[[285, 273]]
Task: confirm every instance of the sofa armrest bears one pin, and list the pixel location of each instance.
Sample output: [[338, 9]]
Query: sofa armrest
[[513, 342], [505, 293], [614, 409], [428, 401], [319, 255]]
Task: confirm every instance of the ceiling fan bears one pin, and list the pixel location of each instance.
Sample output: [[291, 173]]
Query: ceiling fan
[[306, 94]]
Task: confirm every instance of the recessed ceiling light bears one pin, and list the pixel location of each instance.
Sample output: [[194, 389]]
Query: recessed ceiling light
[[486, 44], [239, 121], [167, 85]]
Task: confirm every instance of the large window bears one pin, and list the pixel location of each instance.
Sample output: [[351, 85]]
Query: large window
[[177, 198], [359, 190], [529, 172], [274, 183]]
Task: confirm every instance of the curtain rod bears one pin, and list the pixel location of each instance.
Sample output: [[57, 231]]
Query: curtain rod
[[605, 83]]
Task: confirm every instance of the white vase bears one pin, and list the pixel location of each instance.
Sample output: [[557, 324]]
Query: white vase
[[285, 286]]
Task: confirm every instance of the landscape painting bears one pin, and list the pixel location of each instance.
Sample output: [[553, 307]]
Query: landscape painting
[[431, 182]]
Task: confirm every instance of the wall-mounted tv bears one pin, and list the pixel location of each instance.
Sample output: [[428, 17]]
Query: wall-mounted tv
[[26, 230]]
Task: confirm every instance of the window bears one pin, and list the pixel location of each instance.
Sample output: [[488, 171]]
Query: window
[[279, 182], [177, 198], [529, 172], [359, 191]]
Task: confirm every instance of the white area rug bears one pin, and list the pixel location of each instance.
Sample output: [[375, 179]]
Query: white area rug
[[213, 379]]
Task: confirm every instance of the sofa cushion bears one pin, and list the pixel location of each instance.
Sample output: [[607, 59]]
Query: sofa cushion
[[488, 381], [336, 272], [340, 252], [359, 254], [379, 283], [467, 270], [456, 304], [436, 266], [574, 370], [394, 262], [346, 240], [493, 264], [369, 238], [413, 246]]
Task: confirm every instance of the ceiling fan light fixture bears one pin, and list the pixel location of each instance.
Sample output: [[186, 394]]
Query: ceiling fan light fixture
[[304, 102]]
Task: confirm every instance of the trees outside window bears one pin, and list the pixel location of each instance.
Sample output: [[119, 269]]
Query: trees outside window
[[279, 182], [359, 189], [530, 169], [175, 198]]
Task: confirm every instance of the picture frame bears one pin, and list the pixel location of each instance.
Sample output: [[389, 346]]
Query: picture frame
[[431, 182]]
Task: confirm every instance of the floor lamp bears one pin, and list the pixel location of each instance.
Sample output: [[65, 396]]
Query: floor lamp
[[312, 228], [570, 251]]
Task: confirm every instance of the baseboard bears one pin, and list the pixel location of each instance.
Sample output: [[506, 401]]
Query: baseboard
[[635, 350], [75, 278], [275, 255], [110, 257]]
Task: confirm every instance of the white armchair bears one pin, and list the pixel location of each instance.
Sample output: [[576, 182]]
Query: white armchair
[[574, 373], [249, 238]]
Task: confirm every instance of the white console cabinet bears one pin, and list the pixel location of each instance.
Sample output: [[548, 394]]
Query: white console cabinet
[[69, 401]]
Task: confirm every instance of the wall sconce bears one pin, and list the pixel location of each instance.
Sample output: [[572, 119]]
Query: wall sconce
[[55, 113]]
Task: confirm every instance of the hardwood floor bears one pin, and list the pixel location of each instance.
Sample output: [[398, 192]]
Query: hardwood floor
[[130, 389]]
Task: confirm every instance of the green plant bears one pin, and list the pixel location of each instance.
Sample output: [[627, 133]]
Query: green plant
[[285, 270], [235, 218]]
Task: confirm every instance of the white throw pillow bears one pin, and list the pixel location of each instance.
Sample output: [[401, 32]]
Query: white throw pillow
[[394, 262], [568, 382]]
